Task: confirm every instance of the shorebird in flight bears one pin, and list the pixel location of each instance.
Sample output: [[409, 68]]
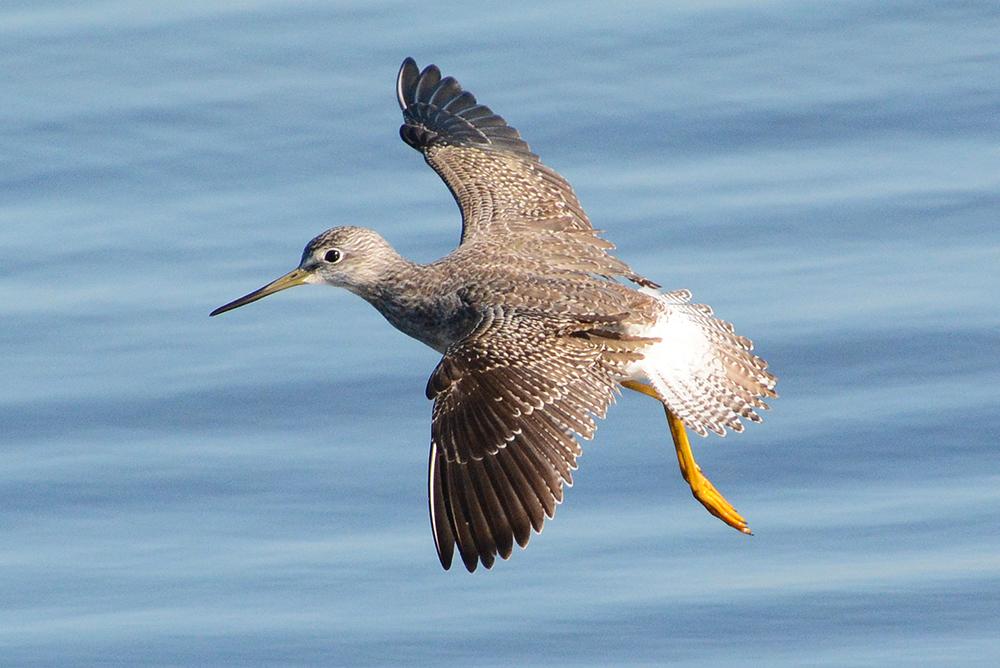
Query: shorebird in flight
[[539, 326]]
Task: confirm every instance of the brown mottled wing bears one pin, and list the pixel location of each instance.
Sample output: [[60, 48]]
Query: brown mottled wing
[[508, 198], [509, 400]]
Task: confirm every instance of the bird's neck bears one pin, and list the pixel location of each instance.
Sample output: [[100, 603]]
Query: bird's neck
[[417, 299], [386, 280]]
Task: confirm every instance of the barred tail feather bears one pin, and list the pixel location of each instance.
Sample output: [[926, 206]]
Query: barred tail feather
[[704, 372]]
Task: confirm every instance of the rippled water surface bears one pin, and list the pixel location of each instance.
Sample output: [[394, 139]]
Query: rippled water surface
[[251, 488]]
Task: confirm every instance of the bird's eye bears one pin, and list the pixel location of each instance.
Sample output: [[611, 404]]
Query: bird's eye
[[332, 256]]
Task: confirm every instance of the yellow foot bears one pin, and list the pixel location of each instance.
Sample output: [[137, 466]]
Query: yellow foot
[[701, 487]]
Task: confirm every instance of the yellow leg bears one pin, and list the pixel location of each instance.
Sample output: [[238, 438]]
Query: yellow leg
[[701, 487]]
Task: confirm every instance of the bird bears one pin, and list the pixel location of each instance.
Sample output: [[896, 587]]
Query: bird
[[539, 325]]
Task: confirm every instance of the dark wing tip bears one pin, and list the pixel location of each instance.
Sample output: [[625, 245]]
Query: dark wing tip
[[437, 110], [406, 80], [444, 538]]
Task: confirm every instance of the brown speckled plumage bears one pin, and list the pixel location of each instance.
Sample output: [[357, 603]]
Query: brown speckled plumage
[[536, 322], [554, 331]]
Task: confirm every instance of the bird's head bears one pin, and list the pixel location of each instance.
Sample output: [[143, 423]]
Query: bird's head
[[355, 258]]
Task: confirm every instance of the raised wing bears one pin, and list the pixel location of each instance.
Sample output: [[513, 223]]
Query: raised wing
[[509, 400], [506, 195]]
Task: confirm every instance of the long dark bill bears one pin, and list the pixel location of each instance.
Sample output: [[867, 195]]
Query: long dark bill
[[289, 280]]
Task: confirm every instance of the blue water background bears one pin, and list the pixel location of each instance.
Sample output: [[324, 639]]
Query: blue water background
[[181, 490]]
